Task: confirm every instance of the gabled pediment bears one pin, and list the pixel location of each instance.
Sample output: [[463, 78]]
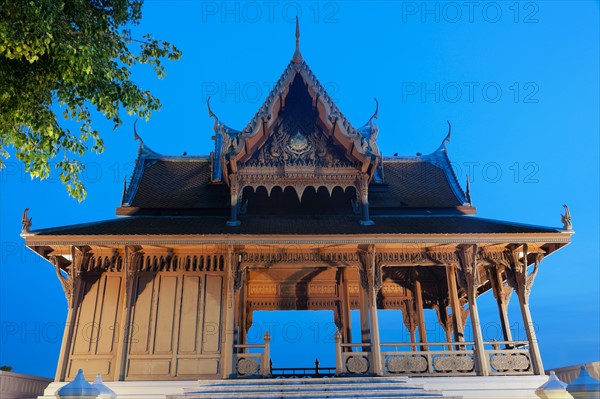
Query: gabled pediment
[[318, 123], [298, 136]]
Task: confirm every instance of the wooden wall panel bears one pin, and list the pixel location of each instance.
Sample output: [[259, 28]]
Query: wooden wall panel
[[109, 312], [84, 330], [140, 326], [176, 329], [189, 337], [165, 315], [212, 314], [96, 328]]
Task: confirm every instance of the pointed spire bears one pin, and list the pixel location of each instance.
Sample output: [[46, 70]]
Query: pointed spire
[[297, 58]]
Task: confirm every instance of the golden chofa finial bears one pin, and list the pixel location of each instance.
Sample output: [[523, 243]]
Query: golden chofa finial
[[297, 58]]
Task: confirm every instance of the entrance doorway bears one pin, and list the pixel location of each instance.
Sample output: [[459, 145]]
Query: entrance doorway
[[298, 339]]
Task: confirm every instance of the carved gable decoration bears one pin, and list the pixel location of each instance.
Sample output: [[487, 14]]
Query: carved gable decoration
[[297, 138]]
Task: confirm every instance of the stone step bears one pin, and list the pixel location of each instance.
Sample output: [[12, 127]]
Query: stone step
[[284, 381], [382, 394], [293, 387], [306, 388]]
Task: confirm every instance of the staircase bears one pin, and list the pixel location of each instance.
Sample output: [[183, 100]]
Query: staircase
[[364, 387]]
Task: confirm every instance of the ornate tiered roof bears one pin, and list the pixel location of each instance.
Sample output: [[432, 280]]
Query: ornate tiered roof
[[298, 149]]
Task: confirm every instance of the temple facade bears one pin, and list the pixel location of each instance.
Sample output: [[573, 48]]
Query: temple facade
[[299, 210]]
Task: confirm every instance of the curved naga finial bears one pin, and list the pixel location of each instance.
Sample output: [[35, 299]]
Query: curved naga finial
[[447, 138], [566, 219], [376, 113], [136, 136], [26, 222], [212, 115]]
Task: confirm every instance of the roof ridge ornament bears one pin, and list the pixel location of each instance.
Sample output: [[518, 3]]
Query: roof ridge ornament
[[212, 115], [137, 137], [447, 138], [26, 222], [297, 58], [468, 192], [566, 219]]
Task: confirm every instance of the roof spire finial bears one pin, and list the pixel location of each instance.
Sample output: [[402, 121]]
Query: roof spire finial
[[297, 56]]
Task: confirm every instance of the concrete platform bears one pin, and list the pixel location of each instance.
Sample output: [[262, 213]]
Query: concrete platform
[[500, 387]]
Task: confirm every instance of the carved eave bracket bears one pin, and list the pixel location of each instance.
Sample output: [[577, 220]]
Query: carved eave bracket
[[370, 272], [468, 256], [69, 272], [517, 275]]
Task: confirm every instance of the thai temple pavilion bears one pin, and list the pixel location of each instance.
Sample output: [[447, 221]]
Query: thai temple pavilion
[[299, 210]]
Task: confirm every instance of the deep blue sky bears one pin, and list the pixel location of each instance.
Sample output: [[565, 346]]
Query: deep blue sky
[[519, 82]]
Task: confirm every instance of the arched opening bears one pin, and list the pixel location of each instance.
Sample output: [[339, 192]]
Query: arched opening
[[313, 201]]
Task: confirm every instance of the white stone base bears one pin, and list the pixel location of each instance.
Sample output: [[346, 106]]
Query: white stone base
[[500, 387], [21, 386]]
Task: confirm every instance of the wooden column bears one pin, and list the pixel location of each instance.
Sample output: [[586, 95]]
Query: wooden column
[[519, 279], [457, 322], [132, 256], [468, 258], [502, 297], [418, 293], [365, 329], [229, 331], [373, 274], [344, 297], [235, 197], [363, 192]]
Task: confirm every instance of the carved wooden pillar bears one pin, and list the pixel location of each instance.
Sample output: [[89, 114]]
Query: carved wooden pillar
[[235, 198], [132, 257], [71, 286], [344, 308], [502, 296], [374, 281], [468, 263], [457, 322], [518, 278], [365, 329], [419, 309], [230, 332], [363, 193]]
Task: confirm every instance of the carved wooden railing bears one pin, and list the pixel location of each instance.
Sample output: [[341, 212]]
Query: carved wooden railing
[[405, 358], [352, 359], [255, 363], [513, 359]]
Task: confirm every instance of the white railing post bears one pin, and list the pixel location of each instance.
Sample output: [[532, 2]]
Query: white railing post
[[339, 366], [266, 366]]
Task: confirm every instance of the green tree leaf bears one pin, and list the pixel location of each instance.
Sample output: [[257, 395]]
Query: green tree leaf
[[77, 55]]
